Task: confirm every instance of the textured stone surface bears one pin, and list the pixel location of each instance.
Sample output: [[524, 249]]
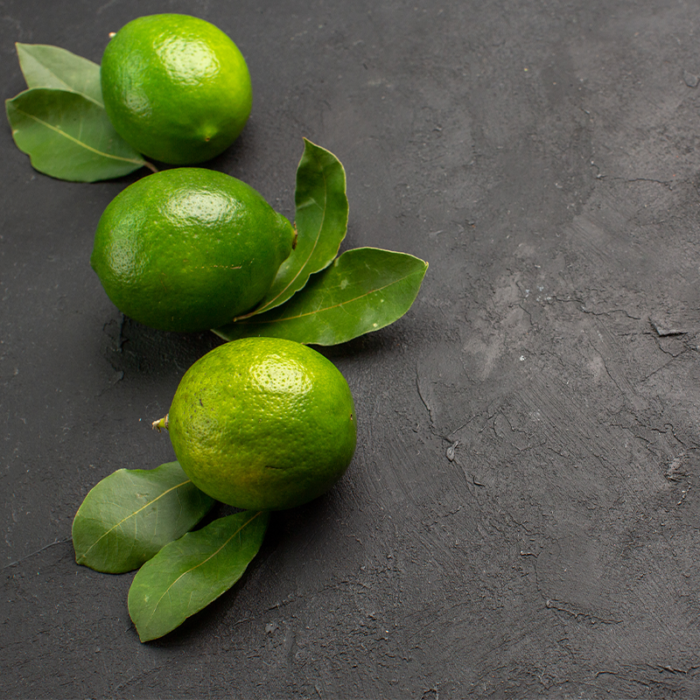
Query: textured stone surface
[[521, 517]]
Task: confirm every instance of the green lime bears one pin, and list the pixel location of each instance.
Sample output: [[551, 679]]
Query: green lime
[[176, 88], [189, 249], [263, 423]]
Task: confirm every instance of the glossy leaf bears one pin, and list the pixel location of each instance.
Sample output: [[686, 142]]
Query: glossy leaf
[[188, 574], [130, 515], [52, 67], [68, 136], [321, 221], [364, 290]]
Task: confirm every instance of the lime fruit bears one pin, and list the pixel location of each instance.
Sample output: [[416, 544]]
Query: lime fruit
[[263, 424], [176, 88], [189, 249]]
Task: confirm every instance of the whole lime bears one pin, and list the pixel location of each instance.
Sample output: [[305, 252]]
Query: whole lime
[[176, 88], [189, 249], [263, 423]]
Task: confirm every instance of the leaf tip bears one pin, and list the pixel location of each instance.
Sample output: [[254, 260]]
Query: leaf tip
[[143, 639], [143, 635]]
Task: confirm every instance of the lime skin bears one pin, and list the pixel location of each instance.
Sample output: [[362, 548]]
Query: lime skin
[[176, 88], [263, 424], [189, 249]]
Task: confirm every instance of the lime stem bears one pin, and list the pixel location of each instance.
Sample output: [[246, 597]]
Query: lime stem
[[160, 424], [150, 166]]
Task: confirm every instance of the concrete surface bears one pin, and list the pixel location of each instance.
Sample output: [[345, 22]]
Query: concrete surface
[[521, 519]]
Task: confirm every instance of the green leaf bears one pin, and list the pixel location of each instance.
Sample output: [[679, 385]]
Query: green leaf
[[187, 575], [52, 67], [68, 136], [321, 222], [364, 290], [129, 516]]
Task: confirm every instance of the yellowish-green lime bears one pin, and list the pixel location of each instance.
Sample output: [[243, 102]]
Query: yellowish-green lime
[[176, 88], [263, 423], [189, 249]]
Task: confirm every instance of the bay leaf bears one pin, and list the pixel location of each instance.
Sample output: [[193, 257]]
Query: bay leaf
[[131, 514], [188, 574], [45, 66], [365, 289], [68, 136], [321, 221]]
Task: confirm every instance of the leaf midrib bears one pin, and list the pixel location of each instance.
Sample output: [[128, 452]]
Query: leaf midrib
[[131, 515], [311, 252], [80, 143], [201, 563], [328, 308], [68, 87]]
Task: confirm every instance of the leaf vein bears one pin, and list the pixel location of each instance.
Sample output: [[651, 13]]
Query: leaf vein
[[201, 563], [131, 515], [327, 308], [77, 141], [305, 264]]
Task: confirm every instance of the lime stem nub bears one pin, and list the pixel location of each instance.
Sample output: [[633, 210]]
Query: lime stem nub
[[160, 424]]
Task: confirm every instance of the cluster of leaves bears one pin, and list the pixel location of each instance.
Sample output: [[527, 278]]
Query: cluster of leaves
[[141, 518], [60, 121], [316, 297], [137, 518], [144, 519]]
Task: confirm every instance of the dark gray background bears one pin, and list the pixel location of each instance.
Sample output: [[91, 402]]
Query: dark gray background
[[521, 516]]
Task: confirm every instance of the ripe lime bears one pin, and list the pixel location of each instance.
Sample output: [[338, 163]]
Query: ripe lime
[[176, 88], [263, 423], [189, 249]]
